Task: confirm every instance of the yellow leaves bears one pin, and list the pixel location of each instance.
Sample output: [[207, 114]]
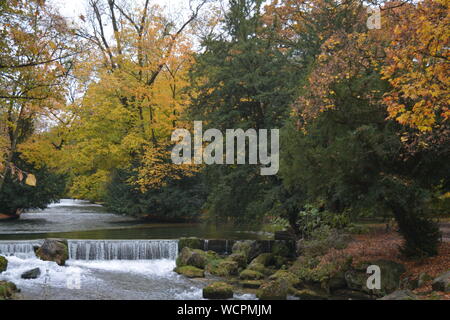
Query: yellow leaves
[[31, 180], [416, 67]]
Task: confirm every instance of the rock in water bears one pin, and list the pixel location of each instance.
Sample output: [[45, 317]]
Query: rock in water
[[192, 257], [190, 271], [3, 264], [218, 290], [191, 243], [54, 250], [7, 290], [273, 290], [442, 283], [31, 274]]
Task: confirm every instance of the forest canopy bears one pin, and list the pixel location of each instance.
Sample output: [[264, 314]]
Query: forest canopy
[[88, 107]]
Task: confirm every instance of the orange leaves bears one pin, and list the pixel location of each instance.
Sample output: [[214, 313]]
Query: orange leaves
[[417, 66]]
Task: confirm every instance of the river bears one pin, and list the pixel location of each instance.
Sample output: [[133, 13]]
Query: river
[[111, 256]]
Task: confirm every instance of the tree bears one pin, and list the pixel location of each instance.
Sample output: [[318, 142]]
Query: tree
[[241, 79], [417, 66], [34, 63], [344, 154], [129, 96]]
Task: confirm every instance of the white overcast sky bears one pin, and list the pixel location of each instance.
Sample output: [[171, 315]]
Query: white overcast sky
[[74, 8]]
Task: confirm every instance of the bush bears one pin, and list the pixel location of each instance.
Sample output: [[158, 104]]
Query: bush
[[16, 195]]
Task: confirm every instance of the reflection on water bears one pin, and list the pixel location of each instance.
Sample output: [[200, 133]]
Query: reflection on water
[[78, 219]]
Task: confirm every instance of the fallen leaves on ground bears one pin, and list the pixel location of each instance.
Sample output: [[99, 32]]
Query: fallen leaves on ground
[[385, 246]]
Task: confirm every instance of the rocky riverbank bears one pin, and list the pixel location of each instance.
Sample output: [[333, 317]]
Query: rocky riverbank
[[334, 266], [320, 269]]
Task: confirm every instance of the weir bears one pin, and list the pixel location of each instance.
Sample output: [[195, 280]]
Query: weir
[[22, 249], [101, 249], [122, 249]]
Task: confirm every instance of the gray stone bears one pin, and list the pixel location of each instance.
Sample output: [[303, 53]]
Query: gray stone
[[31, 274], [442, 283]]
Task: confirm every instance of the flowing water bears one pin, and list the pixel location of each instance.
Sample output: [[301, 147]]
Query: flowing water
[[137, 266]]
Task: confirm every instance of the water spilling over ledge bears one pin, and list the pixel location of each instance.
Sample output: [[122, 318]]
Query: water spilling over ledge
[[22, 249], [101, 249], [122, 249]]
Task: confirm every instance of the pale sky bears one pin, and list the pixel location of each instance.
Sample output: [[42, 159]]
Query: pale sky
[[74, 8]]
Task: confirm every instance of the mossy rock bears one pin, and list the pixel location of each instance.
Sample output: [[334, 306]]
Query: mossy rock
[[192, 257], [250, 248], [251, 275], [223, 268], [7, 290], [218, 291], [291, 278], [54, 250], [190, 272], [391, 272], [273, 290], [3, 264], [239, 258], [192, 243], [251, 284], [266, 259], [243, 247], [442, 283], [307, 294], [260, 268]]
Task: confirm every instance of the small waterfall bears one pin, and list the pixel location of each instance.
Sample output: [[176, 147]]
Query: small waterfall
[[122, 249], [22, 249]]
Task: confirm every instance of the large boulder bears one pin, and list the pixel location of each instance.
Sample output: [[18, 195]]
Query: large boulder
[[239, 258], [391, 272], [250, 248], [54, 250], [7, 290], [258, 267], [3, 264], [291, 278], [190, 271], [218, 290], [266, 259], [192, 257], [251, 275], [192, 243], [31, 274], [251, 284], [224, 268], [273, 290], [442, 283]]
